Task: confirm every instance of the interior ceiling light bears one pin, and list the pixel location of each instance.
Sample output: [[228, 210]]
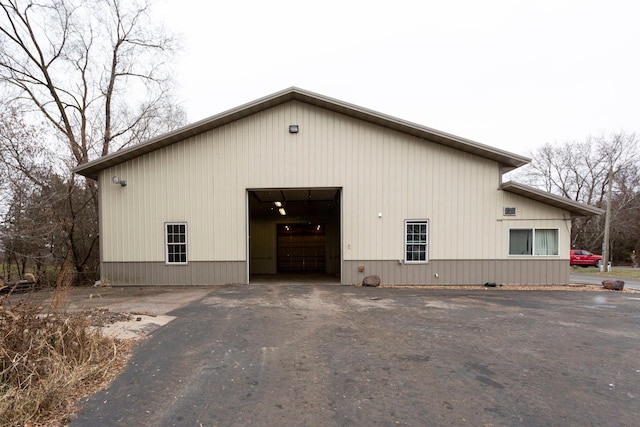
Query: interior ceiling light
[[278, 204], [282, 211]]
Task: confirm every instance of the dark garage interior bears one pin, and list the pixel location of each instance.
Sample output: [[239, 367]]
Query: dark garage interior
[[294, 232]]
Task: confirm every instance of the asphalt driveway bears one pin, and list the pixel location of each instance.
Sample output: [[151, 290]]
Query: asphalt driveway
[[314, 355]]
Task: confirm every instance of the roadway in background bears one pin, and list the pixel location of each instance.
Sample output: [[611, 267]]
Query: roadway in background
[[589, 279]]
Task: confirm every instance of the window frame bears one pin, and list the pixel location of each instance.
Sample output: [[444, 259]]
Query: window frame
[[167, 244], [408, 222], [533, 241]]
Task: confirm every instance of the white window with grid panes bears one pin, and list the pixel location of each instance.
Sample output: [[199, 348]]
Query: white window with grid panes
[[416, 242], [176, 242]]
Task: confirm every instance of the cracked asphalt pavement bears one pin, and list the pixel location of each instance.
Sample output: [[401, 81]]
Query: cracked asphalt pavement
[[292, 355]]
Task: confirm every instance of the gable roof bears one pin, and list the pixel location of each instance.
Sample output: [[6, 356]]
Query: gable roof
[[576, 208], [509, 161]]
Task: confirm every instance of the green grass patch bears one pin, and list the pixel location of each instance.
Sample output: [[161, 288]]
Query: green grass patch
[[625, 274]]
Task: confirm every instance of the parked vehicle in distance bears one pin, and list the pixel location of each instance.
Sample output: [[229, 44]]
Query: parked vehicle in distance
[[585, 258]]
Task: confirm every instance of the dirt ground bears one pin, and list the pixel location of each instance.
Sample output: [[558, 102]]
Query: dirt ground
[[339, 355], [157, 300]]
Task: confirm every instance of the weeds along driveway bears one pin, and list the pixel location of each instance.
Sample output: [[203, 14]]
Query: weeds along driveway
[[333, 355]]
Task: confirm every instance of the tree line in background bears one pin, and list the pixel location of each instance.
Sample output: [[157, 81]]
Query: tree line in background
[[82, 78], [581, 171], [79, 79]]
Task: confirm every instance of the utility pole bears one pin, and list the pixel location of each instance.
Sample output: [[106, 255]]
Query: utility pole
[[607, 225]]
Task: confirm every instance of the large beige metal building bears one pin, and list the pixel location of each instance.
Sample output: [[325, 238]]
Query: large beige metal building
[[298, 182]]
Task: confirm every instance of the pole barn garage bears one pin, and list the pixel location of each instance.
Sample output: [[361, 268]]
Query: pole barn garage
[[297, 183]]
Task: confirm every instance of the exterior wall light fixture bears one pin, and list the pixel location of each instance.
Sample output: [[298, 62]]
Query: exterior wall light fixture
[[116, 180], [294, 128]]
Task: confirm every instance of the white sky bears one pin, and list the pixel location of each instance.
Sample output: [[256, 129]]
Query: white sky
[[513, 74]]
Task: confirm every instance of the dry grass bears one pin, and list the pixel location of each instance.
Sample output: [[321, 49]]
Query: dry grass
[[44, 359], [64, 282], [49, 361]]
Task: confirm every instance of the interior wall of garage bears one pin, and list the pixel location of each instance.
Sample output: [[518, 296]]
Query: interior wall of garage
[[263, 243]]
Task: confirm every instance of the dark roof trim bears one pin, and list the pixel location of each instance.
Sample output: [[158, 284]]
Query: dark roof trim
[[576, 208], [506, 159]]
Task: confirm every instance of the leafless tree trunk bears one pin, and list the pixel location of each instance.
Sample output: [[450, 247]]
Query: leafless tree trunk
[[97, 72], [28, 202]]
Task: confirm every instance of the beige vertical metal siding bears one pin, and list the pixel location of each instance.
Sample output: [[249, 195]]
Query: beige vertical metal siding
[[203, 180]]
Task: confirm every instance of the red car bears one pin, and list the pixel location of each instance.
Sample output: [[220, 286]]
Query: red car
[[585, 258]]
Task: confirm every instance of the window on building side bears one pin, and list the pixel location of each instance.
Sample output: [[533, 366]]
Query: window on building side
[[416, 241], [176, 242], [533, 241]]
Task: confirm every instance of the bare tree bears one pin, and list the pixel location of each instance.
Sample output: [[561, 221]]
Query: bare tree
[[27, 204], [580, 170], [97, 71]]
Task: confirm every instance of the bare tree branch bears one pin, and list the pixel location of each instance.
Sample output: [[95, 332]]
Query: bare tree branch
[[580, 171], [97, 72]]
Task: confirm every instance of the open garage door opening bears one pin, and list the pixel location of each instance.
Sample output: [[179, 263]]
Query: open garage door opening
[[294, 234]]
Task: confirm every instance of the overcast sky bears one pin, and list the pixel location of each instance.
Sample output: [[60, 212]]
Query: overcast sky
[[513, 74]]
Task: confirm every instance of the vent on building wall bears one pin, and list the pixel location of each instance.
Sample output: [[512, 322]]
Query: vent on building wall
[[509, 211]]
